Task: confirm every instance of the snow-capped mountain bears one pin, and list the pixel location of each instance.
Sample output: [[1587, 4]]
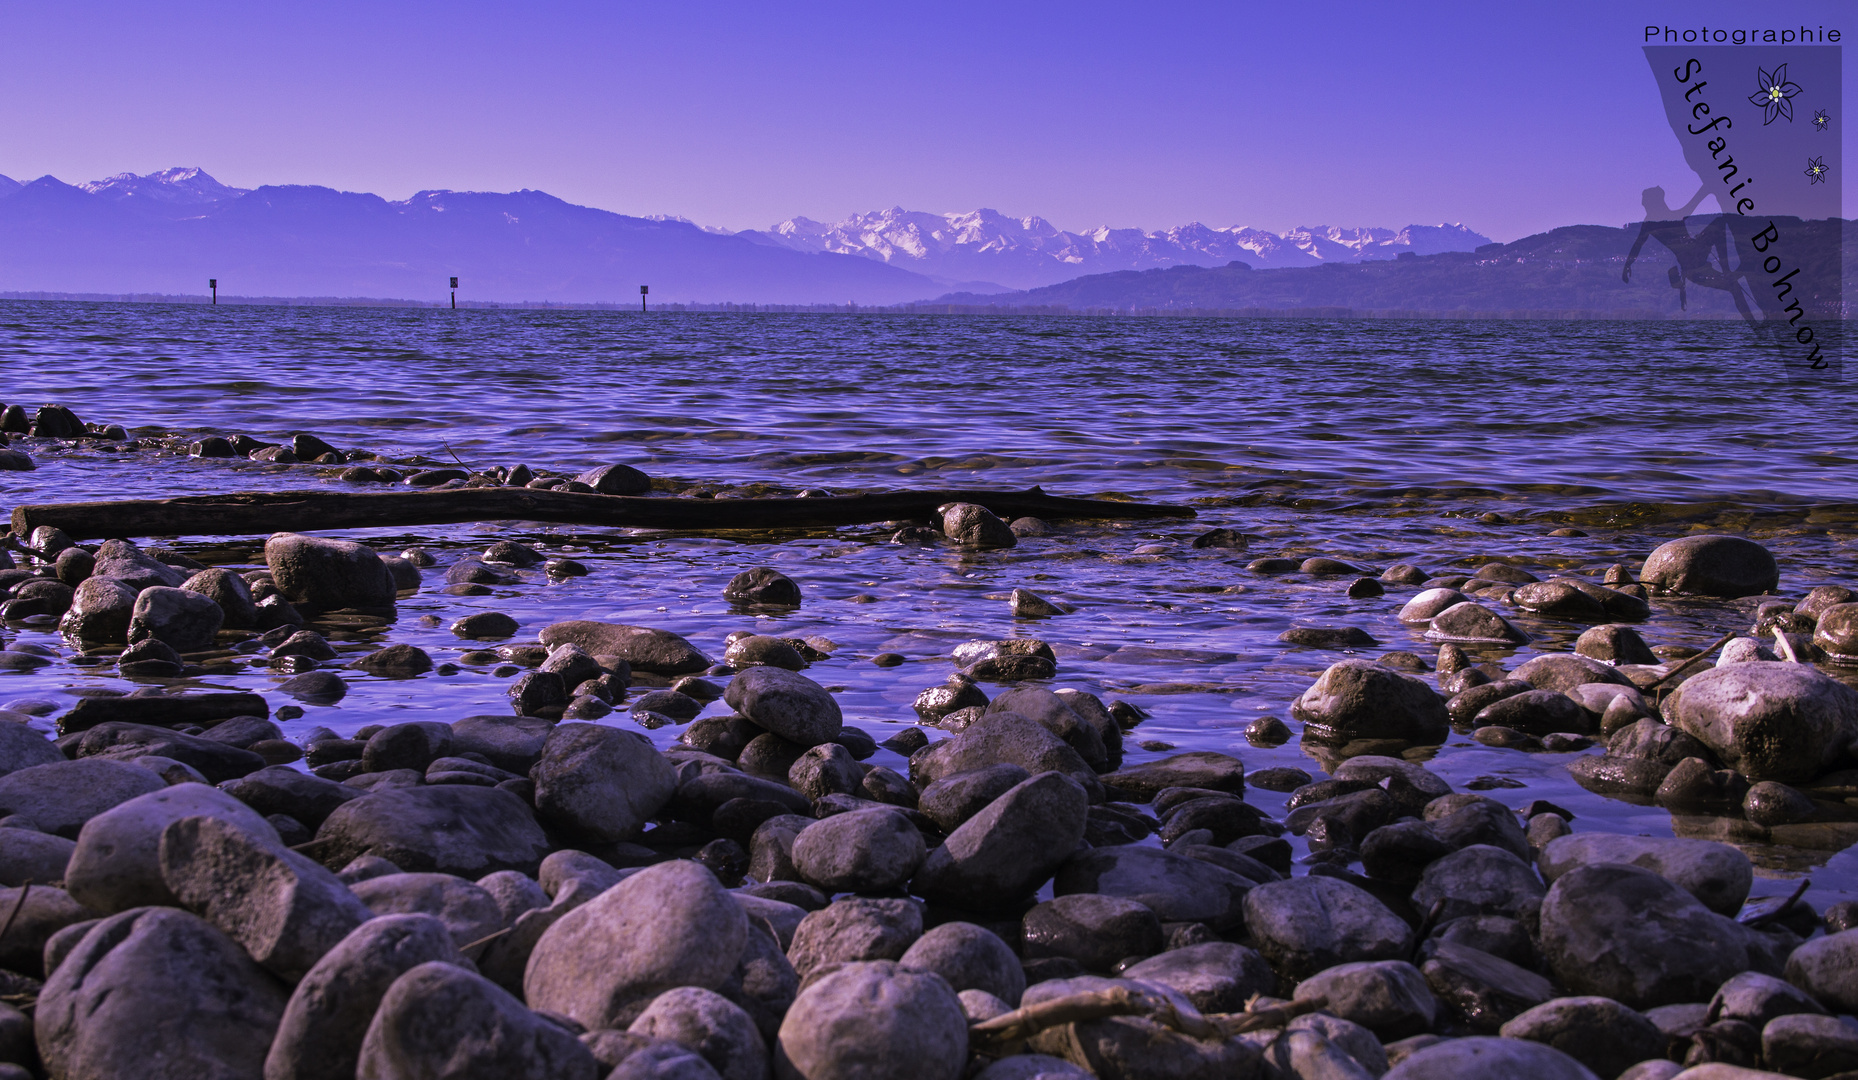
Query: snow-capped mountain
[[985, 246], [181, 187]]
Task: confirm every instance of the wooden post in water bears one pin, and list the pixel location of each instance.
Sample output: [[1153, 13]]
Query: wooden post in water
[[454, 294], [213, 283], [643, 289]]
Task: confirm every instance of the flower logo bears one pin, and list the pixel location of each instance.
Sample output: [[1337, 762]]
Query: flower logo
[[1774, 95], [1816, 170], [1820, 120]]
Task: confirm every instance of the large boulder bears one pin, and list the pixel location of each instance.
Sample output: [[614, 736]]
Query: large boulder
[[1004, 853], [787, 703], [440, 1021], [1617, 931], [320, 1035], [282, 908], [873, 1021], [117, 863], [666, 926], [600, 784], [1360, 699], [1717, 874], [60, 796], [322, 575], [1770, 721], [447, 828], [657, 651], [1726, 566], [157, 994]]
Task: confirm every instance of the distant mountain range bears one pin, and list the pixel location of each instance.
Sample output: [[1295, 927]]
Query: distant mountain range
[[983, 250], [1573, 270], [168, 232]]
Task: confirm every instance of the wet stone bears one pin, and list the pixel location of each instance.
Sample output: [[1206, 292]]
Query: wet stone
[[1726, 566], [763, 585], [485, 626]]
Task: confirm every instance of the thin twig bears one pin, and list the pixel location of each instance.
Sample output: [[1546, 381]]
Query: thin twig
[[1758, 921], [1786, 646], [485, 940], [24, 891], [1693, 661], [1426, 924], [455, 457], [1257, 1019]]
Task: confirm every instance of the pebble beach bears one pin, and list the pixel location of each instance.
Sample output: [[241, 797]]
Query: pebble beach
[[1483, 719]]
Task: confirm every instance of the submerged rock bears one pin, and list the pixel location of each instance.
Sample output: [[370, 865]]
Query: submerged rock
[[1359, 699], [1727, 566]]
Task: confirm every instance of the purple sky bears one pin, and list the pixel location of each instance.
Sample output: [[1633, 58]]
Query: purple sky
[[1509, 118]]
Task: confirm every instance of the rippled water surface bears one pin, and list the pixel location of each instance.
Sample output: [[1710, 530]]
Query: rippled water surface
[[1444, 444]]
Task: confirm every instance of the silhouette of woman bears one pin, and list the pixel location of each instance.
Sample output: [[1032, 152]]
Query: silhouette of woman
[[1692, 252]]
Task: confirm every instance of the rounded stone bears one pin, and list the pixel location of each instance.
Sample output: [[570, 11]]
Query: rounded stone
[[1726, 566], [873, 1021], [863, 851]]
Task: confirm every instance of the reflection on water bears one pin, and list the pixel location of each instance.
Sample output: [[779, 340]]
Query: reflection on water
[[1444, 444]]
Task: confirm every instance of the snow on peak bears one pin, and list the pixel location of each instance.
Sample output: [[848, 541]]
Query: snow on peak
[[177, 185], [1025, 252]]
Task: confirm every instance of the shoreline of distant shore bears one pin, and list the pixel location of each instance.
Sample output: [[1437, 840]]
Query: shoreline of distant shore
[[925, 308]]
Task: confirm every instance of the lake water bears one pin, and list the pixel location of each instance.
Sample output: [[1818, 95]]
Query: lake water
[[1444, 444]]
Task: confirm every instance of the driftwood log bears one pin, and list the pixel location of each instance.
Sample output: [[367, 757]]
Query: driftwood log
[[1132, 1000], [255, 513]]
